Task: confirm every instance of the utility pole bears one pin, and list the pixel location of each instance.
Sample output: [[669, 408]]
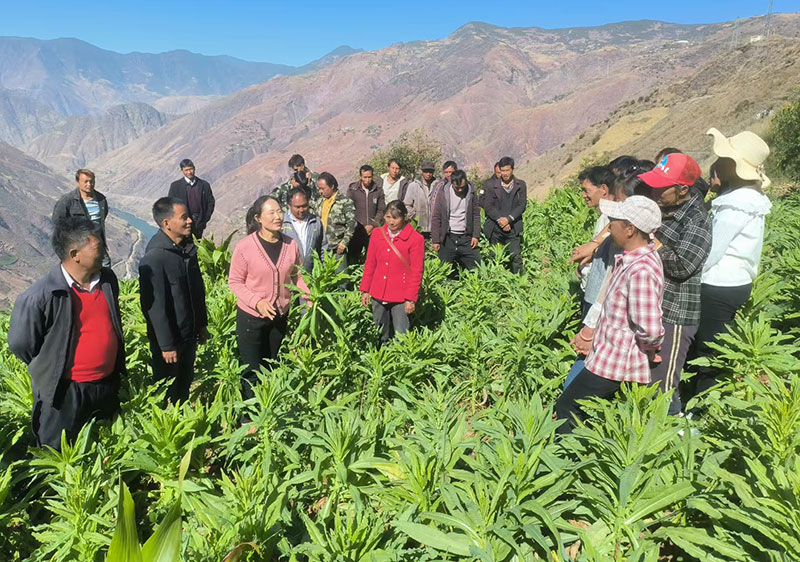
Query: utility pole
[[769, 19], [735, 36]]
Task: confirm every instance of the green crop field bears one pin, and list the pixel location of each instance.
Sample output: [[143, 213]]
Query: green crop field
[[439, 446]]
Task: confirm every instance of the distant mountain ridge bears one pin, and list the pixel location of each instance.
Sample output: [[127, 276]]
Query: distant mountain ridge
[[74, 77]]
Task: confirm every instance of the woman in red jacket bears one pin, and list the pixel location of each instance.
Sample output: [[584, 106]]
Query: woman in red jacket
[[393, 272]]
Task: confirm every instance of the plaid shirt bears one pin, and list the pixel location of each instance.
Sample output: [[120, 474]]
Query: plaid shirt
[[685, 233], [630, 327]]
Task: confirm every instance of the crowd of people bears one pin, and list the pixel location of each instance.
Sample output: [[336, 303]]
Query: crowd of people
[[660, 277]]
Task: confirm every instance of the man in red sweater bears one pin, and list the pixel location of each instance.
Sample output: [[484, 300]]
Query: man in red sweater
[[67, 329]]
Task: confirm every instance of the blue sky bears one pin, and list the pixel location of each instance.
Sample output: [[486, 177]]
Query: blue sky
[[298, 32]]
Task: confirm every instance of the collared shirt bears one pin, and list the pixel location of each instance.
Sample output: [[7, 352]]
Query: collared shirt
[[685, 233], [507, 187], [72, 283], [301, 227], [189, 181], [630, 327]]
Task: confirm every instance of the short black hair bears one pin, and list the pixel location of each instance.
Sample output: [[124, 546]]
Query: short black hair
[[73, 232], [84, 172], [296, 191], [597, 175], [630, 184], [506, 161], [397, 208], [458, 176], [296, 160], [622, 164], [186, 163], [667, 151], [164, 208], [365, 168], [328, 178], [449, 164], [394, 160]]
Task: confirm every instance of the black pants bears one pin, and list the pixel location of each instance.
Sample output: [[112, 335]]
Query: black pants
[[514, 245], [718, 306], [675, 347], [75, 404], [358, 243], [259, 340], [585, 385], [181, 373], [391, 317], [457, 248]]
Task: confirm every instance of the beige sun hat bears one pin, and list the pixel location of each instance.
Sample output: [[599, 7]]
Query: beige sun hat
[[747, 149]]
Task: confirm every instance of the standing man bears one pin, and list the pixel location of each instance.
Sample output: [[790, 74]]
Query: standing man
[[456, 222], [66, 328], [303, 227], [683, 242], [302, 177], [338, 216], [196, 194], [173, 298], [447, 170], [629, 331], [426, 183], [86, 202], [490, 183], [504, 204], [395, 184], [370, 203]]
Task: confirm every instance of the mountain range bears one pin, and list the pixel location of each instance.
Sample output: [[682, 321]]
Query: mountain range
[[547, 97]]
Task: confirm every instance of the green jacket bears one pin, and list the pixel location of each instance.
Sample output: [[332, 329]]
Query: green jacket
[[341, 220], [281, 193]]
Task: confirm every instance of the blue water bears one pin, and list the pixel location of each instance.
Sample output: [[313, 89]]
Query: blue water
[[148, 229]]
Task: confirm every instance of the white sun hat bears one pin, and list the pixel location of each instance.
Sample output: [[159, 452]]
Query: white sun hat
[[747, 149]]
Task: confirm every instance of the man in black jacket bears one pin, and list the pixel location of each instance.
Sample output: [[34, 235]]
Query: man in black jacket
[[505, 201], [456, 222], [66, 328], [173, 297], [196, 194], [85, 201]]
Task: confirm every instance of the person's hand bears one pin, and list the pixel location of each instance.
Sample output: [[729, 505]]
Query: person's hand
[[170, 357], [365, 299], [507, 228], [265, 309], [410, 307], [502, 222], [308, 176], [202, 336], [583, 253], [369, 228], [582, 342], [473, 243], [436, 247], [341, 248]]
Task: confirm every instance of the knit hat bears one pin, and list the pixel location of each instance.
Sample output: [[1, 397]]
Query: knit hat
[[747, 149]]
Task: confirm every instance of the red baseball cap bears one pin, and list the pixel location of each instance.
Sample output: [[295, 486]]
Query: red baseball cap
[[674, 169]]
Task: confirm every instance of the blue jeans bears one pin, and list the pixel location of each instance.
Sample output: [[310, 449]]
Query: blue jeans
[[576, 369]]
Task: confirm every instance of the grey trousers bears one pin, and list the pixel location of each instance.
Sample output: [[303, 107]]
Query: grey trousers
[[391, 317]]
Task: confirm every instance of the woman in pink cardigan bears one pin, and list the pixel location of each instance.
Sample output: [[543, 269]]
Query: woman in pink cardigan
[[393, 272], [263, 265]]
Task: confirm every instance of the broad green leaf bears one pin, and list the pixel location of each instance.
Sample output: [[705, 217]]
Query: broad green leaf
[[125, 542], [165, 544], [454, 543]]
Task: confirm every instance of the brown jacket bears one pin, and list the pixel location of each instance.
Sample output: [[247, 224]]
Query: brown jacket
[[369, 208]]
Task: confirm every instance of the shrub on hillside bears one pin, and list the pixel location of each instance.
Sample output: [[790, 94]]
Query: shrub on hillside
[[409, 149], [785, 137]]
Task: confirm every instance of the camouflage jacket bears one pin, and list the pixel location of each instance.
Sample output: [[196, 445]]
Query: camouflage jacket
[[341, 220], [281, 193]]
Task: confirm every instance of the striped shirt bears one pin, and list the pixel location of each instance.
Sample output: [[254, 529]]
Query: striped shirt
[[630, 327]]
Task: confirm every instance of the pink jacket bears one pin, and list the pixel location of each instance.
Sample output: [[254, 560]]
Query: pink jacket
[[386, 277], [254, 277]]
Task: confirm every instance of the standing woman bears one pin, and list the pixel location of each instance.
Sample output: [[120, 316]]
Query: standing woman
[[737, 216], [263, 265], [393, 271]]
